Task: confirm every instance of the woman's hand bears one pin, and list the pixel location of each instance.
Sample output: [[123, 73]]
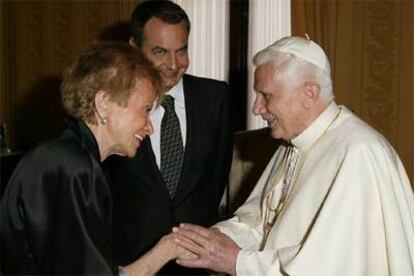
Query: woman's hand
[[165, 250], [168, 245]]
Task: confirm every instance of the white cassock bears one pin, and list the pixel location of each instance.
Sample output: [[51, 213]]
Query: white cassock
[[349, 209]]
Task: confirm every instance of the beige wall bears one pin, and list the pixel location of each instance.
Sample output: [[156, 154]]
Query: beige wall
[[370, 45]]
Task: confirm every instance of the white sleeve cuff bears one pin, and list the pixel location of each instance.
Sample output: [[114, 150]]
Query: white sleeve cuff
[[251, 263]]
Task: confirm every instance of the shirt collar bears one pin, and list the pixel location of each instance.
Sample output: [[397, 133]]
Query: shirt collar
[[177, 92], [317, 127]]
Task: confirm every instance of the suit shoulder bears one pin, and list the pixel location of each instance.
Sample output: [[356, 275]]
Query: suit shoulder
[[204, 81], [206, 90], [65, 151]]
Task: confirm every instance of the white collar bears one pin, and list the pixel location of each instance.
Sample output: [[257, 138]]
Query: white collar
[[177, 92], [317, 127]]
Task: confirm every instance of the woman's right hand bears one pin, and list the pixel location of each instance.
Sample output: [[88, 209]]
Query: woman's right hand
[[164, 251], [168, 245]]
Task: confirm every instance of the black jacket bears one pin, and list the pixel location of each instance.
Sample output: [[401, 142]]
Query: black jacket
[[56, 211]]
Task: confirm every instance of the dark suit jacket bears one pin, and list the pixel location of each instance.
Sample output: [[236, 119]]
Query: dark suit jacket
[[143, 210], [56, 211]]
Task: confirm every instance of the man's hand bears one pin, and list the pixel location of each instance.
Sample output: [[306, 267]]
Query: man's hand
[[215, 250]]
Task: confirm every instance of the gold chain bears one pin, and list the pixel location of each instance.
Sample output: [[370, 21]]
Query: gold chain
[[287, 191]]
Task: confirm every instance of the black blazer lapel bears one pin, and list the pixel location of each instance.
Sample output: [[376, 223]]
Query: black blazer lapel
[[188, 179], [149, 164]]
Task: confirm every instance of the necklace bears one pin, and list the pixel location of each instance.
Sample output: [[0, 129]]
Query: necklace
[[271, 214], [290, 178]]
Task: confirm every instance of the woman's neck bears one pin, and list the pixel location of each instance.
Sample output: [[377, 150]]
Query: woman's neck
[[99, 131]]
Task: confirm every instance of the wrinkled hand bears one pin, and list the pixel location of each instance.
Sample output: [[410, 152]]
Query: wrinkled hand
[[215, 250]]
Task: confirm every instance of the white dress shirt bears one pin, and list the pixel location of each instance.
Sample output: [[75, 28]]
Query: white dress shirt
[[177, 92]]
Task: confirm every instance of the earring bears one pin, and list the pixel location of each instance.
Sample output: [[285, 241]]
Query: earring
[[104, 121]]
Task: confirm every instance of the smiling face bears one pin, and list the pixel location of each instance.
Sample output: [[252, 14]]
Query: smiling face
[[165, 45], [128, 125], [279, 101]]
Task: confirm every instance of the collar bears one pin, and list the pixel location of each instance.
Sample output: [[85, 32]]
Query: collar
[[177, 92], [86, 136], [317, 127]]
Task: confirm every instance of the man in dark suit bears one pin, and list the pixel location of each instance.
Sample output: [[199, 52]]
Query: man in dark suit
[[149, 200]]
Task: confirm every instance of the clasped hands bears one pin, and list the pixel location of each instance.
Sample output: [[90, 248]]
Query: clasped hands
[[208, 248], [191, 246]]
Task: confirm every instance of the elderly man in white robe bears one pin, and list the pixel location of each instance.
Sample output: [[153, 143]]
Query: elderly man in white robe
[[334, 199]]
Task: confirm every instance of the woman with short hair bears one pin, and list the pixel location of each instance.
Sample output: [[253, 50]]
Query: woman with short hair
[[56, 212]]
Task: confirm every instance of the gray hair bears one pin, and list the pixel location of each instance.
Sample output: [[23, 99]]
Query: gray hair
[[291, 67]]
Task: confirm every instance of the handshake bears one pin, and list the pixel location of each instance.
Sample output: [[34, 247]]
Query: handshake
[[191, 246]]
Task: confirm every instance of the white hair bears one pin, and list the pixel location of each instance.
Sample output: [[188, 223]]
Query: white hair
[[291, 67]]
